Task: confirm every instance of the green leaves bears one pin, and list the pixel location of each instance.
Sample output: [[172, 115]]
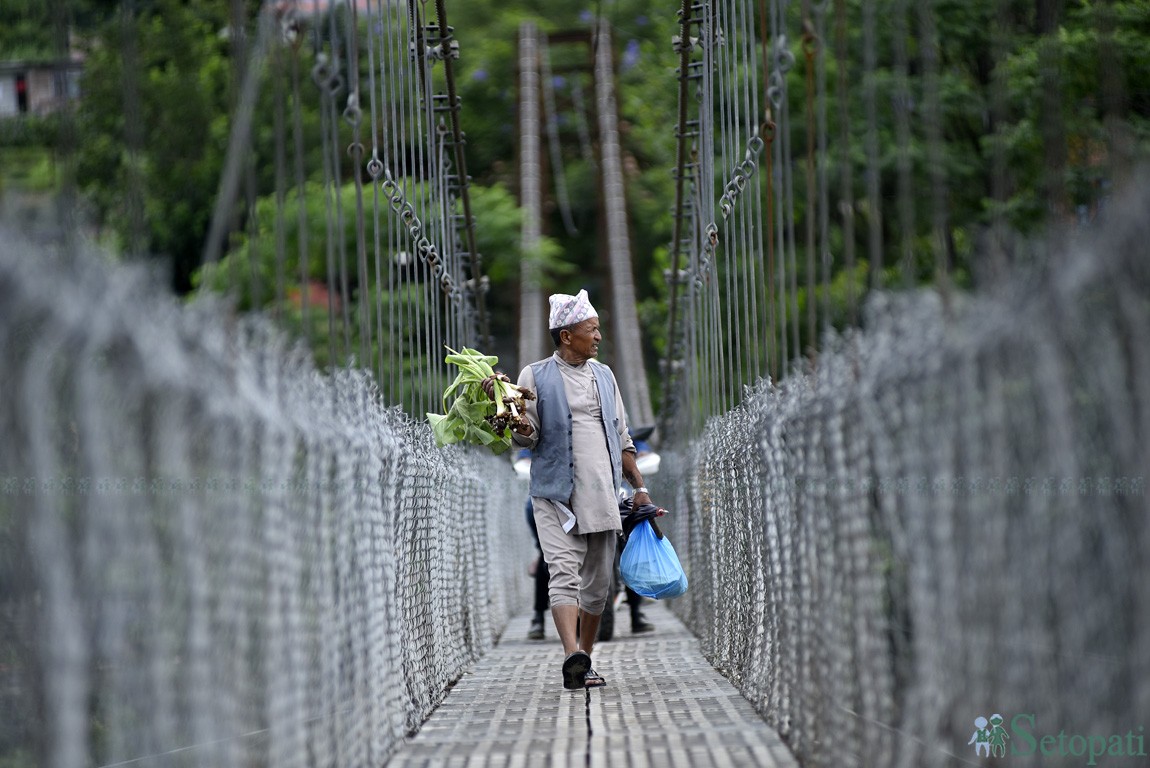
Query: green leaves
[[474, 417]]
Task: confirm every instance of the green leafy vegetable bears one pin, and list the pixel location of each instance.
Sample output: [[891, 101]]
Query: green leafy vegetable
[[474, 417]]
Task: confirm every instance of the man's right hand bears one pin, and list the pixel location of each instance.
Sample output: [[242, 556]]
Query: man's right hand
[[488, 383]]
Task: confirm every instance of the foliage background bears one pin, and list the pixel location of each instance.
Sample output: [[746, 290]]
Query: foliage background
[[149, 167]]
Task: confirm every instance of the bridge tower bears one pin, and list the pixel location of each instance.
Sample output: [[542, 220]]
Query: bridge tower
[[538, 113]]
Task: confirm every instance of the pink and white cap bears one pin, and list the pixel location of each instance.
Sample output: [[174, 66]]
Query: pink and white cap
[[568, 310]]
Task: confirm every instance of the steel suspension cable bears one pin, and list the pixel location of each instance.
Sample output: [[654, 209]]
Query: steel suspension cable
[[874, 169], [680, 211], [750, 250], [768, 134], [726, 341], [375, 170], [250, 224], [551, 123], [336, 189], [446, 40], [932, 118], [582, 129], [302, 239], [789, 187], [425, 128], [784, 61], [820, 9], [325, 78], [999, 179], [353, 114], [707, 208], [810, 45], [782, 264], [903, 140], [846, 175], [279, 128], [394, 41]]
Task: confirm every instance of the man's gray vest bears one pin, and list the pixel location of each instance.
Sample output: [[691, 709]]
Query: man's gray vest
[[553, 465]]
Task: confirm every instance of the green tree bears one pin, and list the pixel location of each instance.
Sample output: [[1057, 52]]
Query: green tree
[[153, 127]]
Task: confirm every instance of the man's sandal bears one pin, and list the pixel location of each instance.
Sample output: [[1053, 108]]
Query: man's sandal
[[593, 679], [575, 668]]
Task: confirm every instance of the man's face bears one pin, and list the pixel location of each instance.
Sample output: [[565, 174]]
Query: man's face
[[585, 338]]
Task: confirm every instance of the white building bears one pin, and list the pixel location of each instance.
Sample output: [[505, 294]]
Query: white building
[[37, 87]]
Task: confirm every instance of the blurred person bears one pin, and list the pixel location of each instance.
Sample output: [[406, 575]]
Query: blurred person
[[540, 575], [648, 462]]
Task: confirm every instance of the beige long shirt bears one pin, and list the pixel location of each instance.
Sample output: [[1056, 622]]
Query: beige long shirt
[[593, 501]]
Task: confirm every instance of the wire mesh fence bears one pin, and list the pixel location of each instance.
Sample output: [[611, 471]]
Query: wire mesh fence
[[944, 521], [212, 553]]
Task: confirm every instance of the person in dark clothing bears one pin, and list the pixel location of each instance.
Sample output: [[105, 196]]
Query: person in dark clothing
[[648, 462], [540, 577]]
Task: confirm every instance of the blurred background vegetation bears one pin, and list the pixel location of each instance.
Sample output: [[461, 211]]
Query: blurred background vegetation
[[999, 58]]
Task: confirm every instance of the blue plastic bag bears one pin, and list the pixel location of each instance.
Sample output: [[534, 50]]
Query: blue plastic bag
[[650, 566]]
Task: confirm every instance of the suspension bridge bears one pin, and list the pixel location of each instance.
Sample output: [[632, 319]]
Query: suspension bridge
[[229, 538]]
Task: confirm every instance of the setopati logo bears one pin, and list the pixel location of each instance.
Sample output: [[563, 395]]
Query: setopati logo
[[989, 736], [1026, 739]]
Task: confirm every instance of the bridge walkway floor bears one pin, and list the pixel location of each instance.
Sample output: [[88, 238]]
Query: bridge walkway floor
[[664, 705]]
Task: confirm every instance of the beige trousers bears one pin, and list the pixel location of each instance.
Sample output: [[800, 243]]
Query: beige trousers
[[581, 564]]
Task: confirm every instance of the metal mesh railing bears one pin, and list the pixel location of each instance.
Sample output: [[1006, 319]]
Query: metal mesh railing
[[946, 520], [213, 554]]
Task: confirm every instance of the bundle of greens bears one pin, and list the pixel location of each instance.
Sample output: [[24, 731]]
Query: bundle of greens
[[473, 416]]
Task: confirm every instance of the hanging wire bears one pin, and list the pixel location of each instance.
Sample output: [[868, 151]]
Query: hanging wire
[[243, 217], [727, 85], [752, 233], [903, 98], [582, 129], [811, 45], [238, 140], [374, 169], [681, 229], [873, 167], [776, 96], [279, 128], [784, 61], [479, 301], [768, 134], [551, 122], [422, 126], [134, 192], [335, 89], [706, 221], [395, 42], [353, 115], [846, 174], [325, 78], [302, 239], [932, 119], [820, 11], [997, 249]]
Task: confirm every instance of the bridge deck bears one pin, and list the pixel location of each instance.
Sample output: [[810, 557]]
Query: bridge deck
[[664, 705]]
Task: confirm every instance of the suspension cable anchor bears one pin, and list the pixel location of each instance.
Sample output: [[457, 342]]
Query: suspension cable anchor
[[374, 166], [678, 46], [352, 112]]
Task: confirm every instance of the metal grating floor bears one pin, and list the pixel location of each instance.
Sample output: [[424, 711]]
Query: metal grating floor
[[664, 705]]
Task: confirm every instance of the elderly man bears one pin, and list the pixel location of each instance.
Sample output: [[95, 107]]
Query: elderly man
[[582, 451]]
